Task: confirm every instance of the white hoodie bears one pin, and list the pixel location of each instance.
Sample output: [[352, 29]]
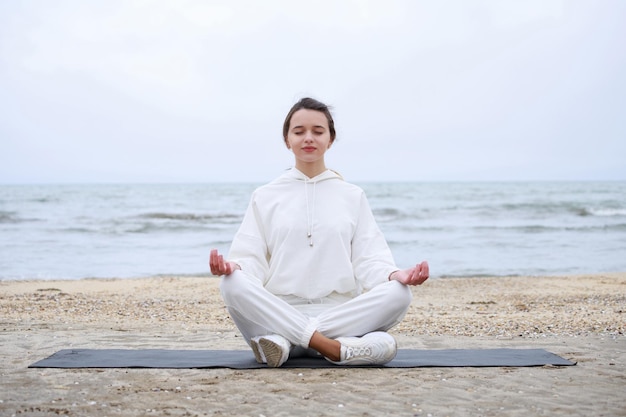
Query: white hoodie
[[345, 253]]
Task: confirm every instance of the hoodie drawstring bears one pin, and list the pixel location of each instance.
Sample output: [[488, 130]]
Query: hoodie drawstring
[[310, 211]]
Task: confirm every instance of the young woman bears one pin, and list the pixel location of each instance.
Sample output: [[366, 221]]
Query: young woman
[[309, 271]]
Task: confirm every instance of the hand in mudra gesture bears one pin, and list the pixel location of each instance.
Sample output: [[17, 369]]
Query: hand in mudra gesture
[[219, 266], [412, 276]]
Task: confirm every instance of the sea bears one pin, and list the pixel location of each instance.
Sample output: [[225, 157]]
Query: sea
[[461, 228]]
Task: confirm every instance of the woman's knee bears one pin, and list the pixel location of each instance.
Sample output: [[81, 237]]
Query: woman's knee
[[235, 286], [399, 294]]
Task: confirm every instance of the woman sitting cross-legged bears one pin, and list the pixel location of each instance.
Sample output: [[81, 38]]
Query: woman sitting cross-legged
[[309, 272]]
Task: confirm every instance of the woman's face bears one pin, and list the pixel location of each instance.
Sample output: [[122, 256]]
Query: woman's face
[[308, 136]]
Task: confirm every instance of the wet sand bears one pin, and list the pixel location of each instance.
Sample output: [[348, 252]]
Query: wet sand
[[580, 318]]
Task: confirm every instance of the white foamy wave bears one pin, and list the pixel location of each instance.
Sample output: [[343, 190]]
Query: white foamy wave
[[607, 212]]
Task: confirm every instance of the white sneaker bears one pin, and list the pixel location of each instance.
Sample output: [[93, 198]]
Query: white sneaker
[[376, 348], [271, 349]]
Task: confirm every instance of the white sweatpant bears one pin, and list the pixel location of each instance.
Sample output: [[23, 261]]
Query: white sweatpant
[[257, 312]]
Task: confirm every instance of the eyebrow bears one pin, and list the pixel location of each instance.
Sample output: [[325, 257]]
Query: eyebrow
[[314, 127]]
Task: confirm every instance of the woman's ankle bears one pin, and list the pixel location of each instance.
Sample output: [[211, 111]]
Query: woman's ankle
[[329, 348]]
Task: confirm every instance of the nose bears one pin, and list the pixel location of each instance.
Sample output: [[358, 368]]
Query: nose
[[308, 137]]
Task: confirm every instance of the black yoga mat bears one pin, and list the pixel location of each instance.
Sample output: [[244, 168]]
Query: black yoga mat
[[244, 359]]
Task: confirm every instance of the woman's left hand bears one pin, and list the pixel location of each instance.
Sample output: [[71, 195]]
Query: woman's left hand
[[412, 276], [219, 266]]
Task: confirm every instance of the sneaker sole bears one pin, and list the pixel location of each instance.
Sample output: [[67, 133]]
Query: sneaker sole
[[273, 353], [257, 352]]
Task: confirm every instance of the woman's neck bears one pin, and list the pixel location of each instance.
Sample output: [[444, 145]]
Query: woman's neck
[[310, 169]]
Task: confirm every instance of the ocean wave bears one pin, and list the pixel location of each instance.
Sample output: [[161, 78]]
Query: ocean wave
[[538, 228], [490, 209], [191, 216], [45, 200], [605, 212], [548, 208], [392, 214], [8, 217], [147, 228], [388, 213], [11, 217]]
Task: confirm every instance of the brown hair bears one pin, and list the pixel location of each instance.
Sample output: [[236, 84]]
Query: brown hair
[[310, 104]]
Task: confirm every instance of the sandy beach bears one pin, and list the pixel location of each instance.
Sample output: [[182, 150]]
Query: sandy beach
[[580, 318]]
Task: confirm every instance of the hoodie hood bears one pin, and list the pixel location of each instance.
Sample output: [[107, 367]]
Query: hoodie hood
[[297, 175]]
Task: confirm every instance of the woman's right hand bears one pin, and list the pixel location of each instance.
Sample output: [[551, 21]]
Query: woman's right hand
[[412, 276], [219, 266]]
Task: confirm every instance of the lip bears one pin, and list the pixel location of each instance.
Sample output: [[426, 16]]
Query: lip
[[309, 148]]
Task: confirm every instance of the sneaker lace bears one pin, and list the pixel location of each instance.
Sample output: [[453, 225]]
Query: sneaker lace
[[355, 352]]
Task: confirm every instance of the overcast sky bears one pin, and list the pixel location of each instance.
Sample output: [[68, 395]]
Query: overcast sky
[[196, 90]]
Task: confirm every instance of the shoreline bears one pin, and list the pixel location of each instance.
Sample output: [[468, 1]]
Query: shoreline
[[209, 275], [580, 318]]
